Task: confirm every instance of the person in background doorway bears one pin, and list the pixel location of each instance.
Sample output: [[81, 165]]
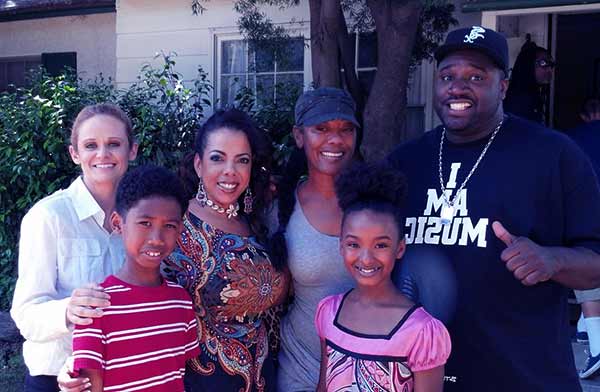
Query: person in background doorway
[[528, 90], [587, 136]]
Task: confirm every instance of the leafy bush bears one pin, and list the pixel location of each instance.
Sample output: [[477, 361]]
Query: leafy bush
[[165, 112], [276, 117], [35, 127]]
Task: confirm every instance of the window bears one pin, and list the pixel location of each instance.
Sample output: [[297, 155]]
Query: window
[[13, 71], [258, 69], [365, 58], [365, 62]]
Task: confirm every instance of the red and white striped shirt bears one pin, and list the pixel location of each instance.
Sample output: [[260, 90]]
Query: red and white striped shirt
[[143, 339]]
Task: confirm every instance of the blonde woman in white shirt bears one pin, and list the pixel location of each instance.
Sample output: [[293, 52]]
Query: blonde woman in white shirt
[[67, 245]]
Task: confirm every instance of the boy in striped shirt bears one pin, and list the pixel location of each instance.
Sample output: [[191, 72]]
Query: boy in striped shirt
[[146, 335]]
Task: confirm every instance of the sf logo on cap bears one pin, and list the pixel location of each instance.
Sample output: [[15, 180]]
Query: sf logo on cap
[[476, 32]]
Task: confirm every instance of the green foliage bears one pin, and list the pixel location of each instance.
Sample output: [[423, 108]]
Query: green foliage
[[276, 117], [35, 128], [259, 30], [12, 367], [165, 111], [436, 19], [34, 161]]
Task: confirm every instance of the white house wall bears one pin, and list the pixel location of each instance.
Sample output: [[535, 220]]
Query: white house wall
[[147, 27], [91, 36]]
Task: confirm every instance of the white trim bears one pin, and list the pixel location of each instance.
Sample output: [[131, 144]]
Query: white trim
[[545, 10], [221, 35], [553, 53], [231, 33], [427, 91], [26, 57], [489, 19]]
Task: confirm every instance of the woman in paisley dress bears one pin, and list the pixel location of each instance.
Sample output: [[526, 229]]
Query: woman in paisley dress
[[221, 260]]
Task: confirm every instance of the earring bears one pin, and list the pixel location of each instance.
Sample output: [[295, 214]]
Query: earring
[[201, 194], [248, 201]]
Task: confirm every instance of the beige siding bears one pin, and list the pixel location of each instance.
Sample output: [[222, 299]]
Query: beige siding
[[91, 36], [147, 27]]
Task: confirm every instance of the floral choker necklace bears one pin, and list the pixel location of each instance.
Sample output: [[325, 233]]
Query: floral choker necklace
[[231, 211]]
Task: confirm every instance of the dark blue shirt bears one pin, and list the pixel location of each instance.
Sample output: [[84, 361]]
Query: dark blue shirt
[[587, 137], [538, 184]]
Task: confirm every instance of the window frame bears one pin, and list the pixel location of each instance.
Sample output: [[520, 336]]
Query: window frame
[[4, 61], [219, 38]]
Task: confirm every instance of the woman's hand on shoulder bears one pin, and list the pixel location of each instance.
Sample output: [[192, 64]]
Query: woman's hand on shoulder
[[86, 303]]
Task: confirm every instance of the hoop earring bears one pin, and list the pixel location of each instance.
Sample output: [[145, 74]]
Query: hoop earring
[[248, 201], [201, 194]]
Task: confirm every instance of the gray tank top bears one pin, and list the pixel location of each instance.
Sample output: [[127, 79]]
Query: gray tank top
[[317, 271]]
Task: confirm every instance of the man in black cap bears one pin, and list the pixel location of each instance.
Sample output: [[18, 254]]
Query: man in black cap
[[516, 209]]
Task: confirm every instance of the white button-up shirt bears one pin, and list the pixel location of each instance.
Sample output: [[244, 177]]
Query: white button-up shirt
[[63, 246]]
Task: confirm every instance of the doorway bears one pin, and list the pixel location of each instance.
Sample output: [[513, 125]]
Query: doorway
[[571, 33], [577, 75]]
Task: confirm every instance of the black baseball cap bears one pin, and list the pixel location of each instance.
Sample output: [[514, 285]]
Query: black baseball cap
[[325, 104], [486, 41]]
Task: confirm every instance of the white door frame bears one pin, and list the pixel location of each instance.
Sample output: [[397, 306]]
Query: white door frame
[[489, 19]]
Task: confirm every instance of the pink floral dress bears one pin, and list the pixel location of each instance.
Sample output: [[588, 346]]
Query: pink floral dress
[[382, 363]]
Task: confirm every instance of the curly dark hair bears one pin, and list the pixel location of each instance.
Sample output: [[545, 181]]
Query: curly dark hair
[[260, 145], [374, 186], [148, 181]]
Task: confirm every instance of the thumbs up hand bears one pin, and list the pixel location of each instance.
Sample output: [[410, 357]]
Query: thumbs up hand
[[529, 262]]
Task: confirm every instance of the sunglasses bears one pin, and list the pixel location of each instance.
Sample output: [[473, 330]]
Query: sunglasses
[[543, 63]]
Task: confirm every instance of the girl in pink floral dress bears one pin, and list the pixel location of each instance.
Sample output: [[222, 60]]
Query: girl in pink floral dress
[[373, 338]]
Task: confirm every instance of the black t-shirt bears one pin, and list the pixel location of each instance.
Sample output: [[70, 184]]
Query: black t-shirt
[[587, 137], [538, 184]]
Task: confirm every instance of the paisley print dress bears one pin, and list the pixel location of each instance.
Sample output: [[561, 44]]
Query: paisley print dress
[[232, 284]]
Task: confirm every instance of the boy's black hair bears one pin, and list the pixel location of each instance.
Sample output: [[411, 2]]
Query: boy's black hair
[[376, 187], [148, 181]]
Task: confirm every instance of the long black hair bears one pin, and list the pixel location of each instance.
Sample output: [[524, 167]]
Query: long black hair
[[295, 168], [523, 84], [260, 145]]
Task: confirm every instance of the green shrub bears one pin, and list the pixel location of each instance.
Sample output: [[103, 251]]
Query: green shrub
[[165, 112], [34, 161], [35, 127], [276, 117]]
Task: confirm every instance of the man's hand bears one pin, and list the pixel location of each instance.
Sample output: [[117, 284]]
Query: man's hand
[[529, 262]]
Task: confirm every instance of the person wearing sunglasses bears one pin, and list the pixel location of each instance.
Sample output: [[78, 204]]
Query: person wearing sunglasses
[[528, 91]]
